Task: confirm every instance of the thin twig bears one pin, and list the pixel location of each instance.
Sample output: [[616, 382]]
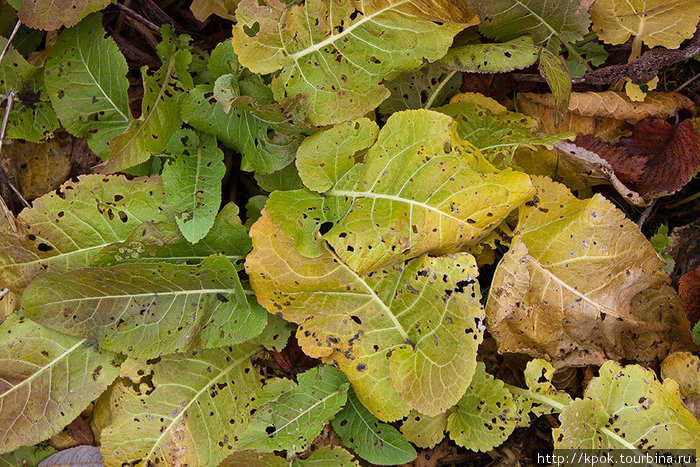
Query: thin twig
[[687, 83], [138, 17], [645, 214], [8, 107], [685, 200], [9, 40]]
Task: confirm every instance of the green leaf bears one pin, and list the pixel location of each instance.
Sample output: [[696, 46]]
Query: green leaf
[[147, 310], [337, 57], [581, 284], [555, 71], [327, 456], [484, 418], [28, 455], [627, 408], [163, 242], [660, 241], [375, 442], [35, 123], [52, 14], [295, 418], [696, 333], [415, 89], [405, 336], [85, 77], [15, 71], [197, 404], [193, 181], [498, 136], [419, 189], [160, 107], [48, 378], [423, 431], [516, 54], [267, 135], [283, 179], [66, 229], [504, 20], [592, 51]]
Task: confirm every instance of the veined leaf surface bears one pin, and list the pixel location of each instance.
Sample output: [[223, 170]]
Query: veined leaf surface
[[46, 380], [492, 58], [193, 181], [628, 408], [199, 402], [338, 57], [581, 285], [85, 77], [66, 229], [147, 310], [292, 420], [420, 189], [405, 336], [163, 242], [52, 14]]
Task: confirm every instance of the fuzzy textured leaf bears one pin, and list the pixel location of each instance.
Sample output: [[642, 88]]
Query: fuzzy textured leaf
[[84, 456], [627, 408], [484, 417], [405, 336], [199, 403], [375, 442], [295, 418], [581, 284], [66, 229], [193, 181], [337, 57], [147, 310], [420, 189], [85, 77], [46, 380], [516, 54], [504, 20]]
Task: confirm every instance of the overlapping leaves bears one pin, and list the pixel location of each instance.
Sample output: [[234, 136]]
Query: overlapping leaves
[[338, 54]]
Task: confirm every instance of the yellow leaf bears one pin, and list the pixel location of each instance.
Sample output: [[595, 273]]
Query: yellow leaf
[[654, 22], [684, 367], [581, 284], [479, 99]]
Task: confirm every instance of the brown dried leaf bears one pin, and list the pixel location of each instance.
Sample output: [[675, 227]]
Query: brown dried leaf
[[671, 155], [586, 109], [40, 168], [689, 290], [659, 159], [581, 285], [594, 170]]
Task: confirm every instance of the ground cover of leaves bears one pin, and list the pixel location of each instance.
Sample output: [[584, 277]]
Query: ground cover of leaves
[[346, 232]]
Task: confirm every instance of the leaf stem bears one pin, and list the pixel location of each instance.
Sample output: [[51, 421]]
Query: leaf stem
[[532, 395], [435, 93]]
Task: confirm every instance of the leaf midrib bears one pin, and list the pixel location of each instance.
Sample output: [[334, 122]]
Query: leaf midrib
[[333, 38]]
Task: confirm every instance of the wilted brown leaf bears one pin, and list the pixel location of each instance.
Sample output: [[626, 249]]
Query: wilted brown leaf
[[659, 159], [689, 290], [581, 285], [40, 168], [604, 114]]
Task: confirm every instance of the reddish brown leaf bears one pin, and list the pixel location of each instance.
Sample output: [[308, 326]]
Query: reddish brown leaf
[[672, 154], [629, 169], [658, 158], [689, 290], [80, 431]]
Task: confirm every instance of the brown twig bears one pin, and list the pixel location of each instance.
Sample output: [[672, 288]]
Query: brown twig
[[132, 14]]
